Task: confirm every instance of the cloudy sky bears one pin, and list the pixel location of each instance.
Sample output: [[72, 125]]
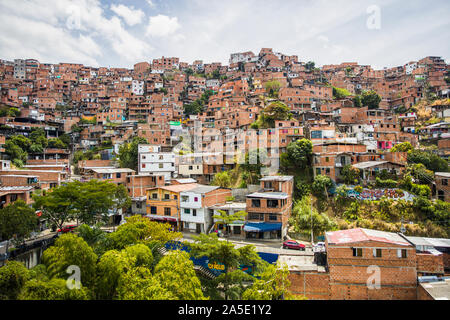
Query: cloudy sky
[[119, 33]]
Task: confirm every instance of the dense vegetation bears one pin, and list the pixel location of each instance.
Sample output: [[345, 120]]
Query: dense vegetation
[[128, 265]]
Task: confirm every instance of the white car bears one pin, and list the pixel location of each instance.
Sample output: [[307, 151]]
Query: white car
[[319, 247]]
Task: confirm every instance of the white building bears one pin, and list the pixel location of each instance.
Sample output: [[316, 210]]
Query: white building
[[195, 214], [152, 161], [19, 69], [137, 87]]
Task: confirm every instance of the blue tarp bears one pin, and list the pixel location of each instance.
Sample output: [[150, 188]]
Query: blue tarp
[[204, 261], [262, 227]]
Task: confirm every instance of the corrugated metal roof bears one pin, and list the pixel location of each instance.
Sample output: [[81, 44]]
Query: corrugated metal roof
[[277, 178], [204, 189], [178, 187], [121, 170], [269, 195], [368, 164], [361, 235], [431, 242]]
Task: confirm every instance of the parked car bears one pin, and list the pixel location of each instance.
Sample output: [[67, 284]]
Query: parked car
[[67, 229], [292, 244]]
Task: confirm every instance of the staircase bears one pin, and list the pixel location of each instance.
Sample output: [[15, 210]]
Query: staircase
[[205, 272]]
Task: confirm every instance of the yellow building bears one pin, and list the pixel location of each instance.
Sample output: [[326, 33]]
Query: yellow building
[[163, 203]]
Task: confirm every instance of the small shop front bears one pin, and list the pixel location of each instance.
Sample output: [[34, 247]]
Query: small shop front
[[262, 230], [165, 219]]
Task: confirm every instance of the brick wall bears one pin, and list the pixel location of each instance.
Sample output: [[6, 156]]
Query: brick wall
[[428, 263], [313, 285], [349, 274]]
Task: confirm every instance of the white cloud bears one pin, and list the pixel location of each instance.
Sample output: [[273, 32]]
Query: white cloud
[[40, 30], [162, 26], [129, 14], [151, 4]]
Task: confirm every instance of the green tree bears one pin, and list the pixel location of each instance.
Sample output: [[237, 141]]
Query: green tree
[[69, 250], [420, 173], [225, 253], [350, 175], [272, 284], [112, 265], [370, 99], [54, 289], [275, 111], [227, 219], [357, 101], [128, 153], [310, 65], [17, 148], [431, 161], [305, 217], [139, 284], [299, 154], [176, 274], [402, 147], [222, 179], [17, 220], [139, 229], [141, 254], [321, 186], [272, 88], [58, 206], [13, 277], [340, 93]]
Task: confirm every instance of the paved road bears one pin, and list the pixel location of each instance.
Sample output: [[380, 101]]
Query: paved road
[[269, 246]]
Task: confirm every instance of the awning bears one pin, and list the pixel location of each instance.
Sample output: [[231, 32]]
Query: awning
[[262, 227], [236, 224], [162, 218]]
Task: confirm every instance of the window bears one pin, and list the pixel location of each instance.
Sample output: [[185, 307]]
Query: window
[[184, 198], [256, 203], [175, 197], [153, 210], [166, 196], [13, 197], [167, 211], [194, 212], [377, 253], [195, 199], [272, 203], [444, 182], [154, 196], [118, 175], [327, 159], [256, 216], [161, 165], [187, 211], [273, 217], [357, 252], [139, 205], [401, 253]]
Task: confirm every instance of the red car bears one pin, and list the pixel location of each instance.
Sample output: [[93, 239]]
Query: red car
[[292, 244], [67, 229]]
